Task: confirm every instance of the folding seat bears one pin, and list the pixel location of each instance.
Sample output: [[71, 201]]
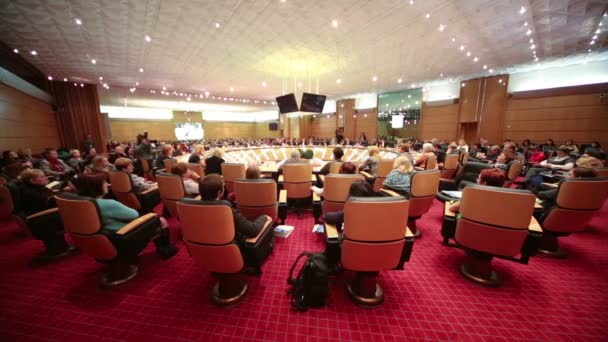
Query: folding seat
[[513, 172], [385, 166], [196, 168], [450, 166], [122, 188], [464, 158], [171, 188], [375, 238], [82, 221], [334, 166], [494, 222], [296, 180], [429, 164], [255, 197], [423, 189], [578, 200], [465, 175], [146, 169], [169, 163], [232, 172], [209, 233]]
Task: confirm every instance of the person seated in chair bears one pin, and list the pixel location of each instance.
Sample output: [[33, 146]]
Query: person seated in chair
[[198, 155], [549, 195], [404, 151], [115, 215], [189, 178], [347, 168], [371, 163], [166, 153], [338, 153], [51, 165], [75, 160], [561, 162], [427, 152], [214, 163], [295, 158], [149, 200], [100, 165], [357, 189], [252, 172], [119, 152], [490, 177], [399, 179], [211, 188], [35, 197], [503, 160]]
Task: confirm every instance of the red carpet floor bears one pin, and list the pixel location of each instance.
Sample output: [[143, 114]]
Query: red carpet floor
[[547, 300]]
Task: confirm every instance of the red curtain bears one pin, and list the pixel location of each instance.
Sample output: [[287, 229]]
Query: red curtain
[[77, 114]]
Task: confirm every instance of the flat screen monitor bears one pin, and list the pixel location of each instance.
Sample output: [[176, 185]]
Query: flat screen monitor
[[273, 126], [312, 103], [189, 131], [287, 103], [397, 121]]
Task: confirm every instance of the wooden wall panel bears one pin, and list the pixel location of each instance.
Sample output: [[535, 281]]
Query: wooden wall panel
[[581, 117], [306, 126], [324, 127], [469, 100], [439, 122], [218, 129], [493, 103], [127, 130], [26, 121], [367, 121], [262, 131], [346, 108]]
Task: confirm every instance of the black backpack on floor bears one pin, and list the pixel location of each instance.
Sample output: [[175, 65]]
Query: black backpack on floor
[[311, 286]]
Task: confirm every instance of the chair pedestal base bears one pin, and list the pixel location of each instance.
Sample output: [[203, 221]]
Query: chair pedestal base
[[118, 273], [411, 224], [550, 246], [478, 269], [229, 290], [365, 291]]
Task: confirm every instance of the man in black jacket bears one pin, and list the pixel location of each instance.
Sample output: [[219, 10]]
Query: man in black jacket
[[211, 188]]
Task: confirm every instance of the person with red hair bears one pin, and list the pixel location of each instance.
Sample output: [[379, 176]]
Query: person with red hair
[[490, 177]]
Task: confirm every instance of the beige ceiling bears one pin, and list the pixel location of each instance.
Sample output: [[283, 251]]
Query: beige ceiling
[[284, 42]]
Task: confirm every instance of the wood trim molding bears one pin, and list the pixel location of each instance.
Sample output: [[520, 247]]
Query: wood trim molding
[[440, 103], [563, 91], [23, 86]]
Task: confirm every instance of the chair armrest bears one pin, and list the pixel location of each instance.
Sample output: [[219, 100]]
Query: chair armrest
[[538, 205], [280, 179], [283, 197], [408, 233], [42, 213], [145, 192], [390, 192], [315, 197], [135, 223], [419, 168], [198, 198], [551, 185], [267, 225], [447, 212], [331, 231], [535, 226], [322, 178], [366, 174]]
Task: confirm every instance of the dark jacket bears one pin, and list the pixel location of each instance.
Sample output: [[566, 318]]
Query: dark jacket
[[213, 164], [35, 198], [194, 158], [245, 228]]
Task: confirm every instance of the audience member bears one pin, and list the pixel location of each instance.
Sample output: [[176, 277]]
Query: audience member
[[52, 165], [213, 164], [198, 155], [357, 189], [490, 177], [338, 153], [189, 178], [371, 163], [427, 152], [75, 161], [399, 179]]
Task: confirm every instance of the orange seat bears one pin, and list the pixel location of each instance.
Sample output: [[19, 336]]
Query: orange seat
[[171, 189], [255, 197], [514, 170], [231, 172], [450, 166], [375, 238], [578, 200], [423, 188], [197, 168], [495, 222], [209, 233], [385, 166], [122, 188], [82, 221]]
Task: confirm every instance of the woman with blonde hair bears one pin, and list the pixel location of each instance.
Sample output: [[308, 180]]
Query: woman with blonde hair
[[198, 156], [371, 163], [214, 163], [399, 179]]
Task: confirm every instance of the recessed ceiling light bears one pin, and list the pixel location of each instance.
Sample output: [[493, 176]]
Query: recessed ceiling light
[[441, 28], [532, 46], [475, 59], [15, 51], [529, 32], [413, 85], [399, 80], [136, 83], [536, 59], [453, 39], [164, 88], [141, 69], [500, 80], [592, 42], [78, 21], [218, 25], [485, 67], [93, 61], [461, 48], [375, 78], [409, 96], [264, 84], [525, 23], [33, 52], [522, 10], [339, 80], [411, 2], [65, 80], [463, 84], [231, 89], [81, 85], [132, 90], [428, 15], [594, 36], [589, 50], [531, 40], [468, 53], [300, 84], [50, 78], [147, 38], [206, 94], [598, 31], [441, 75], [334, 23], [491, 70]]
